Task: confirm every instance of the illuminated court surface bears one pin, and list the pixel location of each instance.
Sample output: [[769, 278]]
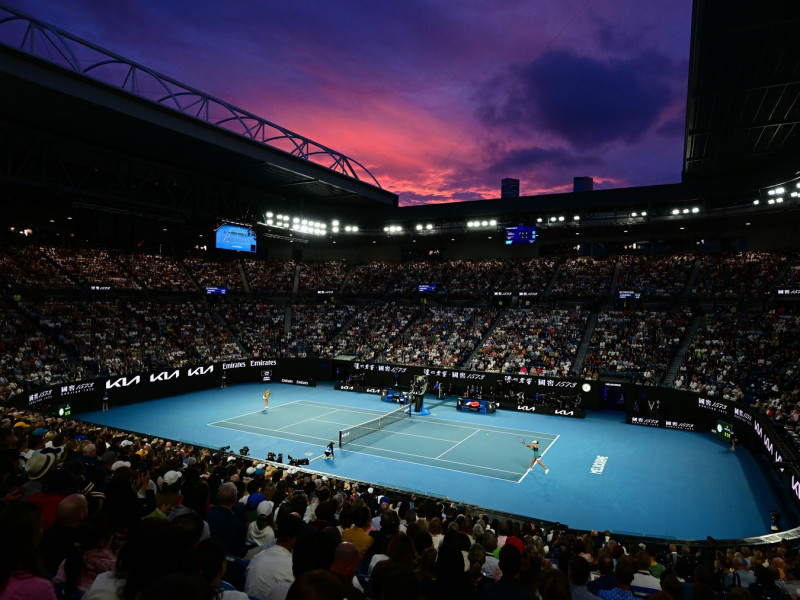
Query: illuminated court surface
[[603, 474]]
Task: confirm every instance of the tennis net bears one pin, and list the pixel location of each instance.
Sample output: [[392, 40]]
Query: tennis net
[[358, 431]]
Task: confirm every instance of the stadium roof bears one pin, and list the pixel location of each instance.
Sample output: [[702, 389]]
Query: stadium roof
[[743, 107], [97, 143]]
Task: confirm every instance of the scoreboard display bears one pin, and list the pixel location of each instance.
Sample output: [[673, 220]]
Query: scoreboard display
[[520, 235], [723, 431], [64, 410]]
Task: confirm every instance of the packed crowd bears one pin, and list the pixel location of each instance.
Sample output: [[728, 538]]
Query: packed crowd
[[740, 355], [314, 326], [527, 275], [739, 275], [91, 267], [270, 276], [539, 340], [371, 330], [208, 272], [322, 275], [157, 272], [640, 344], [259, 327], [655, 277], [52, 339], [89, 512], [440, 336], [736, 275], [583, 278]]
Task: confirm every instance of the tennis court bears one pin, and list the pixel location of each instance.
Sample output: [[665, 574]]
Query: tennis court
[[604, 474], [479, 449]]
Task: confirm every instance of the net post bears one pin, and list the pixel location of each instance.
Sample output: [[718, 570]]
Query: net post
[[340, 438]]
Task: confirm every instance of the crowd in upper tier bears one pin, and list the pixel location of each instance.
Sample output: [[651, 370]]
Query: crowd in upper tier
[[710, 323], [100, 514]]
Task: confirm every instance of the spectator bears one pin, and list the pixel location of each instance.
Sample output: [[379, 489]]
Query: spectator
[[21, 572], [274, 565]]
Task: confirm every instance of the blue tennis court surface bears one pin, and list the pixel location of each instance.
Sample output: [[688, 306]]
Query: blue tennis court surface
[[604, 474]]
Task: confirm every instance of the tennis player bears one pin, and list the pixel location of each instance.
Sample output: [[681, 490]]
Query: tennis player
[[329, 450], [535, 447], [266, 399]]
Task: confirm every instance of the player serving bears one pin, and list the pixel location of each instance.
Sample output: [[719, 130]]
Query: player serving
[[535, 447], [266, 399]]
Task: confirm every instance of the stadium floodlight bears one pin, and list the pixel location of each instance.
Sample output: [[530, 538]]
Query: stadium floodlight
[[484, 223], [269, 214], [335, 229], [386, 228], [492, 222], [771, 201], [335, 222], [695, 210], [418, 227], [561, 218], [685, 211], [771, 192], [778, 200], [355, 228], [576, 218], [675, 211], [348, 228], [644, 213], [539, 220], [429, 226], [780, 190], [296, 220], [552, 219], [756, 202]]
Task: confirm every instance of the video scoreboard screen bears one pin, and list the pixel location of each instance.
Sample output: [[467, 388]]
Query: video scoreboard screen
[[230, 236], [522, 234]]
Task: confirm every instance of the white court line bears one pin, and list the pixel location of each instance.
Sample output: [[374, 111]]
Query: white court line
[[317, 439], [432, 466], [551, 443], [461, 442]]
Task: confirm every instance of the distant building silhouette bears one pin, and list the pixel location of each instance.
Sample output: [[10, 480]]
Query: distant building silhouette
[[509, 188], [582, 184]]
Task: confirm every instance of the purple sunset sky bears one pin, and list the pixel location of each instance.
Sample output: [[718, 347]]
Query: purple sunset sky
[[439, 100]]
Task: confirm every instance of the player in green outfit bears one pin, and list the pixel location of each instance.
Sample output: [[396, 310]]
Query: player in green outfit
[[535, 447]]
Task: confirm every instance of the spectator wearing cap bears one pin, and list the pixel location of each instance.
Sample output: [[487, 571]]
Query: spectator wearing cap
[[122, 495], [261, 531], [170, 489], [225, 524], [273, 565], [59, 539], [35, 469]]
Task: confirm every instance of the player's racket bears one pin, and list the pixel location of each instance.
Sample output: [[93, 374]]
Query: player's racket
[[520, 440]]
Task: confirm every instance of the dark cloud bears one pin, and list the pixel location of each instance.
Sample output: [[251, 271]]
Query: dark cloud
[[534, 157], [581, 100]]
